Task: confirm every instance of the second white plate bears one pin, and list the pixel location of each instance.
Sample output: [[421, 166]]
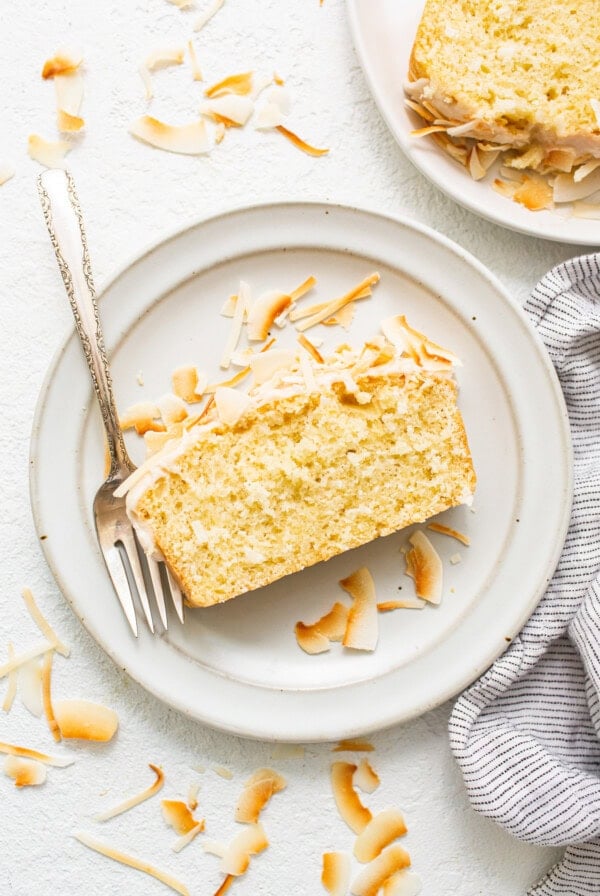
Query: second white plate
[[383, 35], [237, 666]]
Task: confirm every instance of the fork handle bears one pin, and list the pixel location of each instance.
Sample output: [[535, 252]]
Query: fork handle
[[64, 221]]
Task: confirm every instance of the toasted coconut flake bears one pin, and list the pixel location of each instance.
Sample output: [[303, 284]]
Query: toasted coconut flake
[[476, 169], [83, 720], [382, 830], [11, 690], [240, 84], [421, 111], [231, 109], [310, 640], [310, 348], [232, 381], [241, 309], [372, 878], [263, 312], [535, 193], [42, 623], [222, 772], [452, 533], [6, 172], [25, 772], [69, 123], [68, 89], [132, 801], [228, 309], [365, 777], [287, 751], [415, 344], [258, 790], [269, 116], [410, 603], [178, 816], [189, 139], [354, 746], [26, 753], [347, 800], [336, 305], [207, 15], [403, 883], [182, 4], [300, 313], [362, 628], [300, 143], [567, 190], [146, 81], [266, 364], [143, 417], [220, 131], [47, 695], [335, 876], [586, 210], [21, 658], [309, 375], [132, 862], [343, 318], [424, 565], [504, 188], [163, 57], [214, 847], [154, 441], [188, 384], [61, 64], [48, 153], [183, 841], [231, 404], [192, 797], [250, 841], [172, 409], [196, 71], [430, 129], [584, 170], [304, 287], [227, 882]]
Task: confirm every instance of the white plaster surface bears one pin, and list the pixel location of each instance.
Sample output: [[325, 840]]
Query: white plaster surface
[[131, 194]]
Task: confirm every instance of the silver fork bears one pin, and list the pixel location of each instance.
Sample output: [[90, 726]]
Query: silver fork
[[116, 536]]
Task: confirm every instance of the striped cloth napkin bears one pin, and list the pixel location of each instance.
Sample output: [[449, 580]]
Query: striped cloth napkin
[[527, 734]]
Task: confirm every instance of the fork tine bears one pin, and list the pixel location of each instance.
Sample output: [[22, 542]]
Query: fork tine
[[154, 570], [129, 543], [116, 570], [176, 595]]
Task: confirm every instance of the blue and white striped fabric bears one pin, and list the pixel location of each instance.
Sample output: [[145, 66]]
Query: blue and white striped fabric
[[527, 734]]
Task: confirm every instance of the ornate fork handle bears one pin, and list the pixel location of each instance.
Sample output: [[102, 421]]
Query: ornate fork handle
[[64, 221]]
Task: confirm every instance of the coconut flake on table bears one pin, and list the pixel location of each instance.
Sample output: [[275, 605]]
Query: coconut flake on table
[[195, 65], [298, 142], [27, 753], [7, 171], [383, 829], [365, 777], [372, 878], [25, 772], [138, 798], [258, 790], [335, 875], [49, 153], [231, 109], [42, 623], [249, 842], [205, 17], [84, 720], [240, 84], [187, 139], [11, 690], [346, 798], [62, 63]]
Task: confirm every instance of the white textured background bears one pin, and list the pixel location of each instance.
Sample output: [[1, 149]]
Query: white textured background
[[131, 194]]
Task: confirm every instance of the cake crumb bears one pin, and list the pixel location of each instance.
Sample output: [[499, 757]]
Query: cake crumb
[[455, 558]]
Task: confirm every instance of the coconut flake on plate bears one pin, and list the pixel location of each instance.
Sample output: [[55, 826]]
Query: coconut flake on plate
[[172, 409], [25, 772], [343, 317], [138, 798], [49, 153], [242, 306], [383, 829], [335, 875], [143, 417], [331, 308], [265, 365], [205, 17], [346, 798], [310, 348], [258, 790], [566, 189], [249, 842], [372, 878], [416, 345], [451, 533], [263, 312], [407, 603], [365, 777], [310, 640], [315, 638], [188, 139], [189, 383], [424, 565], [131, 861], [362, 630], [83, 720], [231, 404], [232, 381]]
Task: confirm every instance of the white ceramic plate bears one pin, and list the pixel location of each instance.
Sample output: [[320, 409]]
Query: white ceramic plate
[[383, 35], [238, 666]]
